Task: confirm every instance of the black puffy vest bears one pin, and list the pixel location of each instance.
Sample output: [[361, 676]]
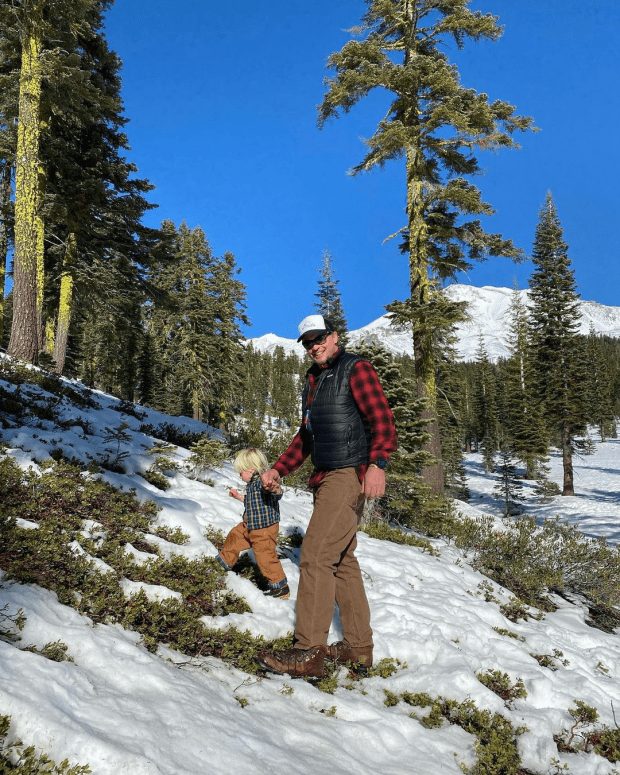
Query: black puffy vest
[[340, 434]]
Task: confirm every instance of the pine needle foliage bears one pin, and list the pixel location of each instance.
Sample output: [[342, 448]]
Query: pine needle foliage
[[329, 301], [436, 127], [554, 324], [523, 412], [409, 500]]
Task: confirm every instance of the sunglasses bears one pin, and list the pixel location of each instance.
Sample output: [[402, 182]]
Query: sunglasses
[[309, 343]]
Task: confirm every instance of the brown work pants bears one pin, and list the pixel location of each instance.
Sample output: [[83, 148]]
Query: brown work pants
[[329, 570], [262, 542]]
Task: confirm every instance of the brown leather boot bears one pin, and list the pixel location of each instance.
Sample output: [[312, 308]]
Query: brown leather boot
[[298, 663], [342, 652]]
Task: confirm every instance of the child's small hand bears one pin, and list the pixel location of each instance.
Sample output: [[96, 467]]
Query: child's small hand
[[234, 493]]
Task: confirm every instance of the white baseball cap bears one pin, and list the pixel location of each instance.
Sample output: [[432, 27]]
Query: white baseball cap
[[315, 324]]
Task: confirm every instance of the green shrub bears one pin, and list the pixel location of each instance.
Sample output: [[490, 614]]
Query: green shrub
[[169, 433], [508, 633], [385, 668], [163, 452], [496, 738], [533, 560], [382, 531], [207, 453], [56, 651], [173, 535], [10, 623], [17, 760], [551, 660], [502, 685], [516, 609], [59, 501], [156, 479], [216, 537], [293, 540]]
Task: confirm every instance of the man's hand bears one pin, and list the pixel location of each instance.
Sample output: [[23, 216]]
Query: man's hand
[[374, 482], [270, 480]]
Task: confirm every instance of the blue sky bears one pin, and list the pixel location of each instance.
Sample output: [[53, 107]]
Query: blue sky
[[222, 100]]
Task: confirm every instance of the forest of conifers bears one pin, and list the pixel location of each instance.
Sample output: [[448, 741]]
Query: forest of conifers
[[153, 316]]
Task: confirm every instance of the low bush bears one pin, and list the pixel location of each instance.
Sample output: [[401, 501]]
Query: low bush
[[207, 453], [156, 479], [585, 736], [58, 556], [536, 560], [17, 760], [502, 685], [496, 738], [168, 432], [381, 530]]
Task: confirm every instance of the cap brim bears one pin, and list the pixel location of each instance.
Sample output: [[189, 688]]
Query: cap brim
[[313, 332]]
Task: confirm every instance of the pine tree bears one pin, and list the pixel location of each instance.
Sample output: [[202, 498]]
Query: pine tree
[[554, 320], [524, 417], [487, 422], [508, 487], [599, 382], [87, 206], [435, 125], [194, 321], [184, 326], [451, 397], [26, 334], [409, 500], [329, 302], [82, 148]]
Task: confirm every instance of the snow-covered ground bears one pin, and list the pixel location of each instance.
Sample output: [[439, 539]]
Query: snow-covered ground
[[124, 710]]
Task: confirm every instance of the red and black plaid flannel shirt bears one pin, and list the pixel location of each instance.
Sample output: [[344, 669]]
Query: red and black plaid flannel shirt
[[372, 403]]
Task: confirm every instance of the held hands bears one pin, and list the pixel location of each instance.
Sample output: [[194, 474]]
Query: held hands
[[270, 480], [235, 494], [373, 485]]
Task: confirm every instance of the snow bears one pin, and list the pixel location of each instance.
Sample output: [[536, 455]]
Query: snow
[[488, 316], [123, 710]]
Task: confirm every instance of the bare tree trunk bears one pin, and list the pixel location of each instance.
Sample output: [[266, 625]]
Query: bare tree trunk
[[422, 338], [567, 462], [65, 305], [5, 201], [26, 328]]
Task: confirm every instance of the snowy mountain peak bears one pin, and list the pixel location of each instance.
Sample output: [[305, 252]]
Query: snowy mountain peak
[[488, 315]]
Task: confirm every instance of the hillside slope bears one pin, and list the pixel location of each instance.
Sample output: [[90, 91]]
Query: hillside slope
[[126, 710]]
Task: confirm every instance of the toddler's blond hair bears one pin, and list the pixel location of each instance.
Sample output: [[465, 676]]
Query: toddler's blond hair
[[250, 460]]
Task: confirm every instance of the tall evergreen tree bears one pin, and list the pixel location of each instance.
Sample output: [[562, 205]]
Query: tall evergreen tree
[[487, 421], [329, 302], [554, 320], [227, 295], [87, 206], [83, 149], [37, 34], [409, 500], [435, 125], [524, 417], [194, 322], [599, 379]]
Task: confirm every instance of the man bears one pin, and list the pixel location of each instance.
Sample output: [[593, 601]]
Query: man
[[348, 429]]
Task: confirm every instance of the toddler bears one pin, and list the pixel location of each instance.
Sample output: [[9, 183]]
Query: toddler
[[259, 528]]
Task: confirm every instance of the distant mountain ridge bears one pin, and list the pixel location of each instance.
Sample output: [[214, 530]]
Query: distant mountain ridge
[[488, 309]]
